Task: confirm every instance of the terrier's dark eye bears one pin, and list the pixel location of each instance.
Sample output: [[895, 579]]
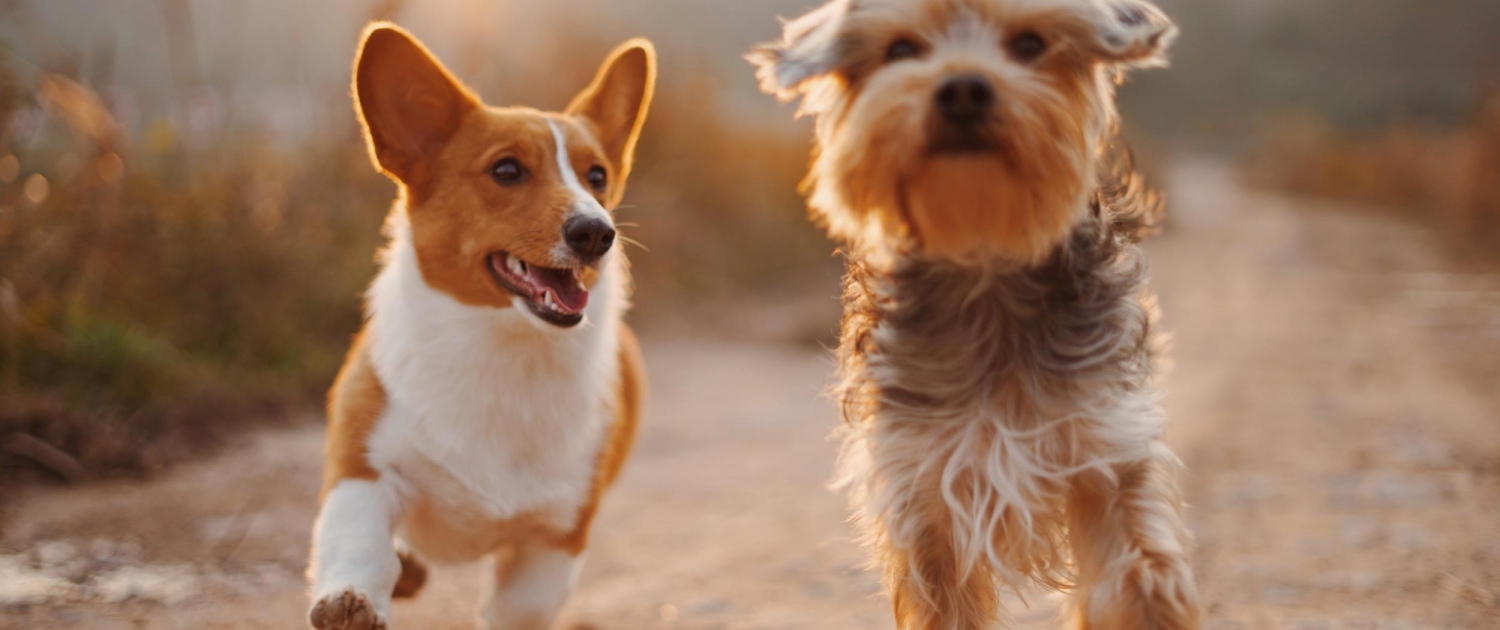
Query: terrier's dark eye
[[598, 179], [508, 172], [1028, 46], [901, 49]]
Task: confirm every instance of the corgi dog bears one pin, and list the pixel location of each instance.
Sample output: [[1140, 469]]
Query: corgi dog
[[494, 392]]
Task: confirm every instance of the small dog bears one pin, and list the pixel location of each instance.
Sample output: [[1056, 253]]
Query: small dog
[[494, 392], [997, 348]]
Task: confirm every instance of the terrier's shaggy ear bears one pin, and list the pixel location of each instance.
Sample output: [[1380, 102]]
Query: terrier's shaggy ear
[[1133, 33], [408, 103], [809, 48]]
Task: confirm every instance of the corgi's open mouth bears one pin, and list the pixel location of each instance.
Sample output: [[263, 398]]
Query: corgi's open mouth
[[557, 296]]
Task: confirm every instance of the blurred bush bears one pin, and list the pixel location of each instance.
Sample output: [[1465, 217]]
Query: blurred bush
[[1441, 175], [1359, 63], [155, 295], [717, 204]]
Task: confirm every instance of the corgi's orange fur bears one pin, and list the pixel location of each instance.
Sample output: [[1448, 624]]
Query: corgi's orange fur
[[493, 394]]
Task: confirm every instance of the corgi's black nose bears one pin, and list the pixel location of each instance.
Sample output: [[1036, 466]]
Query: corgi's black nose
[[965, 99], [589, 237]]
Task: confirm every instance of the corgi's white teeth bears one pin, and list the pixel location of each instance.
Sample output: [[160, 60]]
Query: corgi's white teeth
[[550, 304], [580, 285], [515, 264]]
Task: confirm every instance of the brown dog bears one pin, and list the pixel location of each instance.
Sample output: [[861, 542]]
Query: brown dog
[[493, 394], [997, 349]]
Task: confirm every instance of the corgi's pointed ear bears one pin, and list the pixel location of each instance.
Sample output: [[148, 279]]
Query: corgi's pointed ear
[[808, 49], [408, 103], [617, 101]]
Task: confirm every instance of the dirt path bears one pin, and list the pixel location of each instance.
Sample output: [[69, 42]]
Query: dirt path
[[1334, 397]]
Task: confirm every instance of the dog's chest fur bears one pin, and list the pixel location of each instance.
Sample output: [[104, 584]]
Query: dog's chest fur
[[989, 391], [491, 419], [1029, 345]]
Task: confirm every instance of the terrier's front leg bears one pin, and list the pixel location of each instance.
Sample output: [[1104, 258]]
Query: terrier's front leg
[[354, 566], [530, 588], [1131, 547]]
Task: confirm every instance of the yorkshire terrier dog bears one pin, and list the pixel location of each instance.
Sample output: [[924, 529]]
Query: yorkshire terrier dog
[[1001, 425]]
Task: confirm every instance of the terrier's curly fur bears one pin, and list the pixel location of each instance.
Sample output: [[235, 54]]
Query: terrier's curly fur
[[998, 340]]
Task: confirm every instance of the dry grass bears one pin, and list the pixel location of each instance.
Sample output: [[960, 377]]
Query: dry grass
[[1446, 177], [156, 295]]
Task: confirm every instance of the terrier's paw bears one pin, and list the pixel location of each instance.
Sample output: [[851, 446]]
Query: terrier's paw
[[345, 610]]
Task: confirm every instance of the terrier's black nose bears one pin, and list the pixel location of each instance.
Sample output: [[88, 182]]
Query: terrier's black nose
[[589, 237], [965, 99]]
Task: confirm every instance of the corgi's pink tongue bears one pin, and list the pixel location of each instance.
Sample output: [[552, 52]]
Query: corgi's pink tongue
[[564, 285]]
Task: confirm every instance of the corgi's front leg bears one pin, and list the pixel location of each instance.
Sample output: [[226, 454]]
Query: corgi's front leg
[[354, 567]]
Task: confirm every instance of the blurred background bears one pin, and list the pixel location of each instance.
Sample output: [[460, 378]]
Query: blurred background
[[188, 219]]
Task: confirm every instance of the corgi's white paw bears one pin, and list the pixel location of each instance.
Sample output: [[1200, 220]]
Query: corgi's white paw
[[345, 610]]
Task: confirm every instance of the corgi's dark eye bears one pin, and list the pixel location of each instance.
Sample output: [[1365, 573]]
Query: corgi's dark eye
[[1027, 46], [508, 172], [901, 49], [598, 179]]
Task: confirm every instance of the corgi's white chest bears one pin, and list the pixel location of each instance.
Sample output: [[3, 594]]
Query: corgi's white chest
[[489, 411]]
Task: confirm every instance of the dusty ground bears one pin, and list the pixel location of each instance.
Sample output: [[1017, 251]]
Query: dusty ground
[[1334, 397]]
